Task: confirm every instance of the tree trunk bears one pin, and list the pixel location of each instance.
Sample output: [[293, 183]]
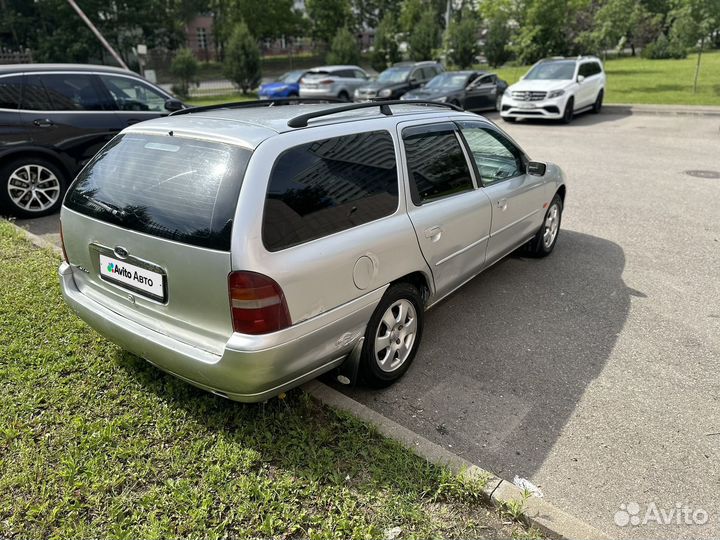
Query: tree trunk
[[697, 66]]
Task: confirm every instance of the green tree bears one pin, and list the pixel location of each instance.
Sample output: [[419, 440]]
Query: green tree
[[410, 14], [425, 37], [385, 46], [184, 66], [463, 39], [498, 37], [327, 16], [695, 22], [242, 59], [543, 32], [344, 48]]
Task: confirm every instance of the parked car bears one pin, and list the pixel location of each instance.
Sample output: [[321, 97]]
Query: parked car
[[398, 79], [55, 117], [337, 82], [471, 90], [287, 85], [556, 88], [249, 250]]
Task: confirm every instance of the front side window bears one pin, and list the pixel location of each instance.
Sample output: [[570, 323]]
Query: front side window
[[62, 92], [495, 156], [436, 163], [130, 94], [394, 75], [328, 186], [10, 91]]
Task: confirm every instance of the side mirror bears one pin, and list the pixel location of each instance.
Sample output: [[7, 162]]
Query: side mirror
[[536, 168], [413, 80], [581, 78], [172, 105]]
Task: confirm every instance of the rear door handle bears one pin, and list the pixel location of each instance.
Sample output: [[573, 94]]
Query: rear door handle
[[43, 122], [433, 233]]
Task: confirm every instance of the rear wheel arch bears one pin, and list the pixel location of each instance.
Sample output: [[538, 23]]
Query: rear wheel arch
[[420, 281], [561, 192]]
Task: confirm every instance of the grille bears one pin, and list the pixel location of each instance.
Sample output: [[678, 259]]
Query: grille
[[529, 96]]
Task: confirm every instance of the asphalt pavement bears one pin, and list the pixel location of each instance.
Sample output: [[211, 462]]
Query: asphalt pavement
[[594, 372]]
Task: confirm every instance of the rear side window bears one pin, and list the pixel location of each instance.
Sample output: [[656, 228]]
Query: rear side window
[[10, 88], [181, 189], [436, 163], [327, 186], [65, 92]]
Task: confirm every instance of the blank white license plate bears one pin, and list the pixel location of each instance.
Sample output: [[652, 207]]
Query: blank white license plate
[[310, 85], [132, 277], [526, 105]]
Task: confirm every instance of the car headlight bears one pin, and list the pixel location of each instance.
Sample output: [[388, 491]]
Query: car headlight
[[357, 92], [555, 93], [441, 99], [385, 92]]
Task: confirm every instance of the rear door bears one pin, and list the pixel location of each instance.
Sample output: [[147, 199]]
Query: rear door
[[12, 132], [450, 215], [517, 198], [147, 230]]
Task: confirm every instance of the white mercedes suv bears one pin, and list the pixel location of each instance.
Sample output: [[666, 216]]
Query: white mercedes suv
[[556, 88]]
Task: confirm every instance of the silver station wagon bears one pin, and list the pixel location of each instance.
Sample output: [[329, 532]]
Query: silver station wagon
[[247, 249]]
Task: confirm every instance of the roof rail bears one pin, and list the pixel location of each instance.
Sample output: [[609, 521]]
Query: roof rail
[[255, 103], [302, 120]]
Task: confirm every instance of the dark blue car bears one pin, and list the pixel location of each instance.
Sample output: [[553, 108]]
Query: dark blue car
[[287, 85]]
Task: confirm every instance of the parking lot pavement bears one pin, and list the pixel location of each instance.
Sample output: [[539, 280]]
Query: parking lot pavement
[[594, 372], [47, 228]]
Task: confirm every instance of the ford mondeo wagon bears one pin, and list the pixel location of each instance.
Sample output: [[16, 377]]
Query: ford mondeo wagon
[[248, 249]]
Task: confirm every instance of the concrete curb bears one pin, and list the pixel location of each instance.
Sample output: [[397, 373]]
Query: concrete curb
[[548, 519], [37, 240], [668, 110]]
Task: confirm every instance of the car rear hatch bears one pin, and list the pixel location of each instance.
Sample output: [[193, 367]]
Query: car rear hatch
[[147, 228], [318, 79]]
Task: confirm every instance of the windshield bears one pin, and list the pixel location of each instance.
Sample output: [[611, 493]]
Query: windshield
[[552, 71], [292, 77], [449, 81], [181, 189], [394, 75]]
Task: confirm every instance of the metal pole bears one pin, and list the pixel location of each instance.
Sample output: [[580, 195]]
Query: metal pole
[[97, 33]]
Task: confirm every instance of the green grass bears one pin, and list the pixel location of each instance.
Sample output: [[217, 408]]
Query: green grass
[[96, 443], [655, 82]]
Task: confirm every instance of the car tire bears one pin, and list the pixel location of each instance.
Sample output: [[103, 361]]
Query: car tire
[[392, 337], [597, 106], [343, 96], [543, 243], [31, 187], [569, 111], [509, 119]]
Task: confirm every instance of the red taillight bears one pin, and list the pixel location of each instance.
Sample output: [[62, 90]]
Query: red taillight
[[257, 304], [62, 244], [326, 81]]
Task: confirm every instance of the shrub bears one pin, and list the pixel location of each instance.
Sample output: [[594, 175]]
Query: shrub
[[663, 48], [242, 59], [344, 48], [184, 66], [462, 40]]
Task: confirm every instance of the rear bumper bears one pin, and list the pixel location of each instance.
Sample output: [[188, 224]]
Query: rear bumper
[[251, 368], [320, 93]]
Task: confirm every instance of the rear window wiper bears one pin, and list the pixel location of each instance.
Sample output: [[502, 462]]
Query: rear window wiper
[[108, 207]]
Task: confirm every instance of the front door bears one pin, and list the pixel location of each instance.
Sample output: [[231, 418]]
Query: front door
[[481, 94], [450, 215], [517, 198], [133, 99]]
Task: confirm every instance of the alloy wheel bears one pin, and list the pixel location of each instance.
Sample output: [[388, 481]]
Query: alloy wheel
[[552, 224], [395, 335], [33, 188]]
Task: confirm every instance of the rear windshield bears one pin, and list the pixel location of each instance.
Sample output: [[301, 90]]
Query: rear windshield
[[181, 189]]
